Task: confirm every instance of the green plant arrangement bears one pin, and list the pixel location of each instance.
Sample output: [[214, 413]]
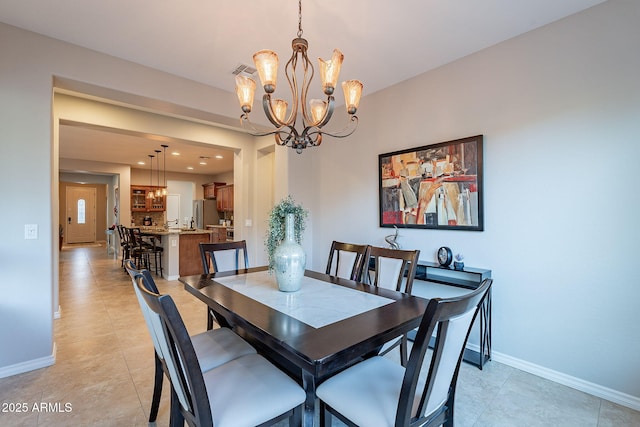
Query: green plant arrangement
[[276, 230]]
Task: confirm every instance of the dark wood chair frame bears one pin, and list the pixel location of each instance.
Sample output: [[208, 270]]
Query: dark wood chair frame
[[207, 255], [361, 252], [409, 260], [438, 314], [199, 413], [125, 242], [141, 251]]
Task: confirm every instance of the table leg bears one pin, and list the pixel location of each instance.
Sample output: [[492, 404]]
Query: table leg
[[309, 385]]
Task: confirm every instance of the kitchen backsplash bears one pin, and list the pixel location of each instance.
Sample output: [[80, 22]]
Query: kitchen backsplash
[[157, 218]]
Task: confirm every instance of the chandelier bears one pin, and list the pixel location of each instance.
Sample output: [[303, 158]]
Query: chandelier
[[315, 114]]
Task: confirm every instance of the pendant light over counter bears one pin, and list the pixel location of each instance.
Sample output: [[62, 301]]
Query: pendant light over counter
[[158, 188], [150, 194], [164, 169], [157, 191]]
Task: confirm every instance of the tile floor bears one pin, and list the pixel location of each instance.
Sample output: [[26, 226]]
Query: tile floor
[[104, 366]]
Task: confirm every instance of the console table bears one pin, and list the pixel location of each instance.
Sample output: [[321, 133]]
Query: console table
[[468, 278]]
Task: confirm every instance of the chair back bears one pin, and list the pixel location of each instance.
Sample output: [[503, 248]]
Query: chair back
[[224, 256], [179, 355], [347, 260], [135, 237], [125, 235], [453, 318], [390, 268], [119, 227]]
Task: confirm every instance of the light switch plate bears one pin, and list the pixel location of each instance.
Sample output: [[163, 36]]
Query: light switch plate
[[30, 231]]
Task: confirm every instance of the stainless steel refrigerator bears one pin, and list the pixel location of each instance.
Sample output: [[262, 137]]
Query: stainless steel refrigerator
[[205, 213]]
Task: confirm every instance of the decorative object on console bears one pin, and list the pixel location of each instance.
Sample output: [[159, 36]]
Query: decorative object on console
[[391, 240], [435, 186], [315, 115], [458, 264], [445, 256], [286, 225]]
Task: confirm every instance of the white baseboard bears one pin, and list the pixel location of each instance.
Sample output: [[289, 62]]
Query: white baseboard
[[57, 314], [172, 277], [597, 390], [30, 365]]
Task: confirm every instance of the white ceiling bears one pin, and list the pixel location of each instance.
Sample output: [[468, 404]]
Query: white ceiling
[[384, 42]]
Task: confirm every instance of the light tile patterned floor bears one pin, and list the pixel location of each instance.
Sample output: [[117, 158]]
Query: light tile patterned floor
[[104, 366]]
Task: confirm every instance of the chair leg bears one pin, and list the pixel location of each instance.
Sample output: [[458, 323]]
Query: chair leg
[[157, 390], [403, 350], [176, 419], [325, 416], [209, 320], [158, 261]]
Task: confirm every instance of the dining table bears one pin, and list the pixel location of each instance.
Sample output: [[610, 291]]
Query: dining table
[[328, 325]]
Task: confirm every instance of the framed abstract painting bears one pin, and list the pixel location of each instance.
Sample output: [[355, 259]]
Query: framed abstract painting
[[436, 186]]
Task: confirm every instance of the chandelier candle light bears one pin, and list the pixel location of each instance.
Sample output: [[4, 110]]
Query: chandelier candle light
[[316, 113]]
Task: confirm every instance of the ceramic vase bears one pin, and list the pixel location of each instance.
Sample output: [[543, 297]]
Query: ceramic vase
[[290, 259]]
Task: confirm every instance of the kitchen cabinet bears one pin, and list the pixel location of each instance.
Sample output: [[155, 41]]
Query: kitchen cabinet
[[210, 189], [218, 233], [189, 249], [224, 198], [140, 203]]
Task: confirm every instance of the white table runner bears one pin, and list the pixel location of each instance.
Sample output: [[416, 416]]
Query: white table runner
[[317, 303]]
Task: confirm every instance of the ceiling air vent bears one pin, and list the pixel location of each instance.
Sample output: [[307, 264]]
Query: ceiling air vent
[[244, 69]]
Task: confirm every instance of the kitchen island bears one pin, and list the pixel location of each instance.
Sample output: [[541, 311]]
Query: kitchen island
[[181, 249]]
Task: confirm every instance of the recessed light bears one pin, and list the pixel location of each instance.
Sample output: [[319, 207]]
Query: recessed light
[[219, 156], [175, 153], [141, 163], [190, 168]]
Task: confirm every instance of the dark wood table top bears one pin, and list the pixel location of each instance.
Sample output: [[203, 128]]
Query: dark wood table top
[[318, 351]]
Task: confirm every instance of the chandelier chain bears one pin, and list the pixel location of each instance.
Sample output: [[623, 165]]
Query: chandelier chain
[[299, 18]]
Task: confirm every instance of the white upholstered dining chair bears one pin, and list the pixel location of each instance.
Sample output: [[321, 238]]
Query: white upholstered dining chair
[[213, 348], [222, 256], [347, 260], [246, 391], [392, 269], [381, 393]]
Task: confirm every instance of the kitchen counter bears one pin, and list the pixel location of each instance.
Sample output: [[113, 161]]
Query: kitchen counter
[[158, 231], [181, 251], [221, 233]]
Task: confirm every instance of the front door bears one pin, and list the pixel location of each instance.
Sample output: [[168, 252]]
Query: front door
[[81, 214]]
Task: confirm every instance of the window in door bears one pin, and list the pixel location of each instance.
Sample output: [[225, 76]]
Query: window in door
[[81, 215]]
